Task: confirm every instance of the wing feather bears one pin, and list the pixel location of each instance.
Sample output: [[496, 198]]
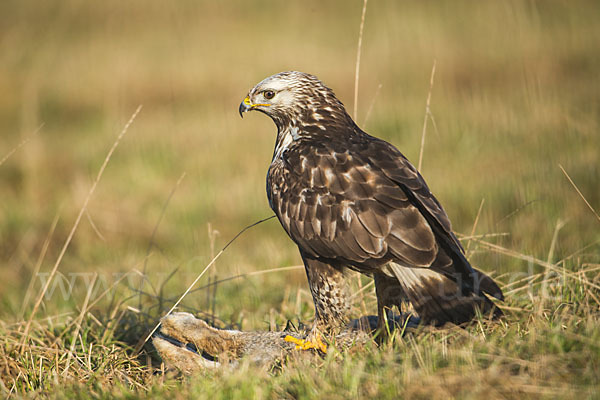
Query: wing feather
[[376, 224], [365, 207], [361, 215]]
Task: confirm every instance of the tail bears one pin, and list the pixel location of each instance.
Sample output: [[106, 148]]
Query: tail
[[438, 299]]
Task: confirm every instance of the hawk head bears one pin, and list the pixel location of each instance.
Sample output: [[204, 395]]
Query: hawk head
[[293, 97]]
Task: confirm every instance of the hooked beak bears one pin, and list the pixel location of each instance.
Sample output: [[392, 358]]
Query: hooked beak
[[247, 105]]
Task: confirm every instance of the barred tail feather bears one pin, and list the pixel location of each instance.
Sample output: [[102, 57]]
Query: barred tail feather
[[439, 299]]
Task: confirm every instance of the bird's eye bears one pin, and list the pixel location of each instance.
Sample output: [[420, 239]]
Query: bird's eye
[[269, 94]]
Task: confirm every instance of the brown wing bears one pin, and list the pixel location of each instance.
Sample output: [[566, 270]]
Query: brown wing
[[391, 162], [360, 202], [337, 205]]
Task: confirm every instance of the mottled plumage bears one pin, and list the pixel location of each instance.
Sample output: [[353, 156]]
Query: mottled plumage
[[351, 200]]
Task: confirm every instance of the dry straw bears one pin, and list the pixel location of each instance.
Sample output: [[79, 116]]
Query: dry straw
[[427, 115], [579, 192], [357, 71], [23, 143]]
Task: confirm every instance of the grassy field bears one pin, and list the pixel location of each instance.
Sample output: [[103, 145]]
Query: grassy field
[[516, 95]]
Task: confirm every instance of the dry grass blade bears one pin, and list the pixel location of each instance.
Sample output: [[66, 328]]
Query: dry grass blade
[[579, 192], [79, 320], [162, 213], [528, 279], [359, 294], [533, 260], [557, 228], [248, 274], [357, 71], [485, 235], [370, 110], [23, 143], [579, 251], [211, 296], [427, 114], [38, 265], [362, 290], [94, 227], [76, 224], [475, 224]]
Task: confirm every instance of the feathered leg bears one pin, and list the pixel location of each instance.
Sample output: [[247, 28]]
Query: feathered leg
[[332, 303]]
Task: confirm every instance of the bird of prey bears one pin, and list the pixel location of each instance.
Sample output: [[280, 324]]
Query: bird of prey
[[352, 201]]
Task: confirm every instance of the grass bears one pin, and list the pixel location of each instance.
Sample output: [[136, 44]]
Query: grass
[[515, 101]]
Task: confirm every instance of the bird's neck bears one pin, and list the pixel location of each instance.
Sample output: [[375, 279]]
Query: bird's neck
[[285, 137], [312, 123]]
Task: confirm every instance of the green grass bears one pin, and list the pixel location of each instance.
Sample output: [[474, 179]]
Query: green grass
[[516, 93]]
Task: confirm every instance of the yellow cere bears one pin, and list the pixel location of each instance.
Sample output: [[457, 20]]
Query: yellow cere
[[249, 103]]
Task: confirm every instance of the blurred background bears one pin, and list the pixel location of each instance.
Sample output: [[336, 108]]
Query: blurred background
[[516, 93]]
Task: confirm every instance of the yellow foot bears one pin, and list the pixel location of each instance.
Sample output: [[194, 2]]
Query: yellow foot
[[302, 344]]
